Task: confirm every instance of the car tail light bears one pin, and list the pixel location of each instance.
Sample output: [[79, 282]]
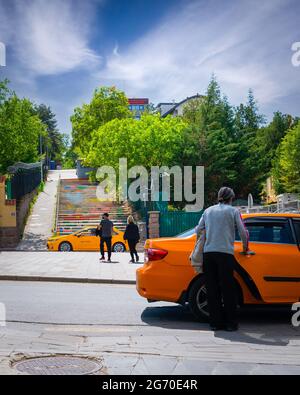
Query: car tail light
[[154, 254]]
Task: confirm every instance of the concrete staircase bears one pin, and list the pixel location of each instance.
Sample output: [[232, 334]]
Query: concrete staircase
[[78, 207]]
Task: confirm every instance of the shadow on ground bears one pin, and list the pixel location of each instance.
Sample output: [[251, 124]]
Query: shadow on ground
[[258, 325]]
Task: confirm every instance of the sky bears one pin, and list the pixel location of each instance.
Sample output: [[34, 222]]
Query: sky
[[58, 52]]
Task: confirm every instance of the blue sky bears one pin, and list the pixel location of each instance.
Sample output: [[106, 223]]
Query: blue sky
[[59, 51]]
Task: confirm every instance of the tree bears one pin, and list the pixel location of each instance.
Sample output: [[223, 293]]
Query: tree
[[150, 141], [268, 139], [286, 169], [247, 121], [209, 139], [20, 129], [107, 104], [53, 144]]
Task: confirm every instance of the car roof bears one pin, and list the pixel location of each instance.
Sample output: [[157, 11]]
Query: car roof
[[272, 215]]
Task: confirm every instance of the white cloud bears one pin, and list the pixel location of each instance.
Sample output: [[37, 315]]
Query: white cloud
[[234, 40], [50, 37]]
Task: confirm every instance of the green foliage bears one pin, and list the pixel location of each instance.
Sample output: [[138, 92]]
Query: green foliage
[[20, 129], [70, 157], [286, 168], [107, 104], [209, 139], [151, 141], [53, 144]]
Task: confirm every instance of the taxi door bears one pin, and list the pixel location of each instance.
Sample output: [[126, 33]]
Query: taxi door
[[275, 267]]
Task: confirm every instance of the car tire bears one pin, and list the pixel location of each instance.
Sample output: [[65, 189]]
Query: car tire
[[197, 299], [65, 246], [119, 247]]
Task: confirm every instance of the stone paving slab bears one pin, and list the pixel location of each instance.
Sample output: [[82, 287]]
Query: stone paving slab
[[83, 267]]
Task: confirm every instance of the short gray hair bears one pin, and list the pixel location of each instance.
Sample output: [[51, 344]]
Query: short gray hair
[[225, 194]]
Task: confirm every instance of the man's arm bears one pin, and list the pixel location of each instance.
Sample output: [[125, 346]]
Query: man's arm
[[242, 230], [201, 225]]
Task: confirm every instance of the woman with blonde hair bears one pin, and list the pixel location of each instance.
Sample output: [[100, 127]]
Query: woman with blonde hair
[[132, 235]]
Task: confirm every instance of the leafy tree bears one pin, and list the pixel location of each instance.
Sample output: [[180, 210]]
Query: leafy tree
[[107, 104], [286, 169], [20, 129], [150, 141], [268, 139]]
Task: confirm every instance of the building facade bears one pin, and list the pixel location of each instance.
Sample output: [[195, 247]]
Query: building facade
[[138, 106], [175, 109]]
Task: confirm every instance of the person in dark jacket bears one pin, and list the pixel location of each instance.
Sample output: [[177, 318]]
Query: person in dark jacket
[[132, 235], [104, 231]]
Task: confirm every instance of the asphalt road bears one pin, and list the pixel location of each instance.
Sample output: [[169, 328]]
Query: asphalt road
[[134, 337], [100, 304]]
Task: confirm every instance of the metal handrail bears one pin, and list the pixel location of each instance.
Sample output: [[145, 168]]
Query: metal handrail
[[57, 204]]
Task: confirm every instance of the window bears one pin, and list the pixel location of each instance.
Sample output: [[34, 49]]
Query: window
[[297, 229], [269, 232], [88, 232]]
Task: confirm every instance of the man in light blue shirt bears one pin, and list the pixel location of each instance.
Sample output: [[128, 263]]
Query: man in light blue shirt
[[220, 222]]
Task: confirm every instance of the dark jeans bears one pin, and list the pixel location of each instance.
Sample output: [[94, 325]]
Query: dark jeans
[[107, 241], [132, 244], [221, 288]]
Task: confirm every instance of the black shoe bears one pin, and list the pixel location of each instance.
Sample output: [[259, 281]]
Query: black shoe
[[109, 261], [131, 261], [102, 258], [232, 328], [137, 258], [217, 327]]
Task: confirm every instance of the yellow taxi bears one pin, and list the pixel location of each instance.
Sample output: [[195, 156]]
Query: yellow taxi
[[86, 240], [270, 275]]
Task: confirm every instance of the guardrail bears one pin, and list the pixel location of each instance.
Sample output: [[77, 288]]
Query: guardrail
[[284, 207]]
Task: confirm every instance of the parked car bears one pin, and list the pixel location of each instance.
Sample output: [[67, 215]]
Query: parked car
[[86, 240], [270, 276]]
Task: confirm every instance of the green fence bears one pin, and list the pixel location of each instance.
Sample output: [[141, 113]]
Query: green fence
[[8, 190], [171, 223], [24, 178]]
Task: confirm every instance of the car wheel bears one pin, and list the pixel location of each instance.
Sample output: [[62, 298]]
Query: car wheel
[[197, 299], [119, 247], [65, 247]]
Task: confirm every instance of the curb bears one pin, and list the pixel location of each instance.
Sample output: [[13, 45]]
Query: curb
[[66, 280]]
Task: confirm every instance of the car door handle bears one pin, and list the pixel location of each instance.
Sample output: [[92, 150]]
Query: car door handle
[[247, 253]]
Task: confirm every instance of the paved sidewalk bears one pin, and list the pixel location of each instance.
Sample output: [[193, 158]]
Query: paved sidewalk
[[67, 267], [133, 351], [40, 223]]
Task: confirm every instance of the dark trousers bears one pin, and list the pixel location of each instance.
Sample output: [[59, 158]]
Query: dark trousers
[[107, 241], [132, 244], [221, 288]]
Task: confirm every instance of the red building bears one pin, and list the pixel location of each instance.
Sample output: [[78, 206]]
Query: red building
[[138, 106]]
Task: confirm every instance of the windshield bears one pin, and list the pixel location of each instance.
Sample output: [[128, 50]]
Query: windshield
[[187, 233]]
